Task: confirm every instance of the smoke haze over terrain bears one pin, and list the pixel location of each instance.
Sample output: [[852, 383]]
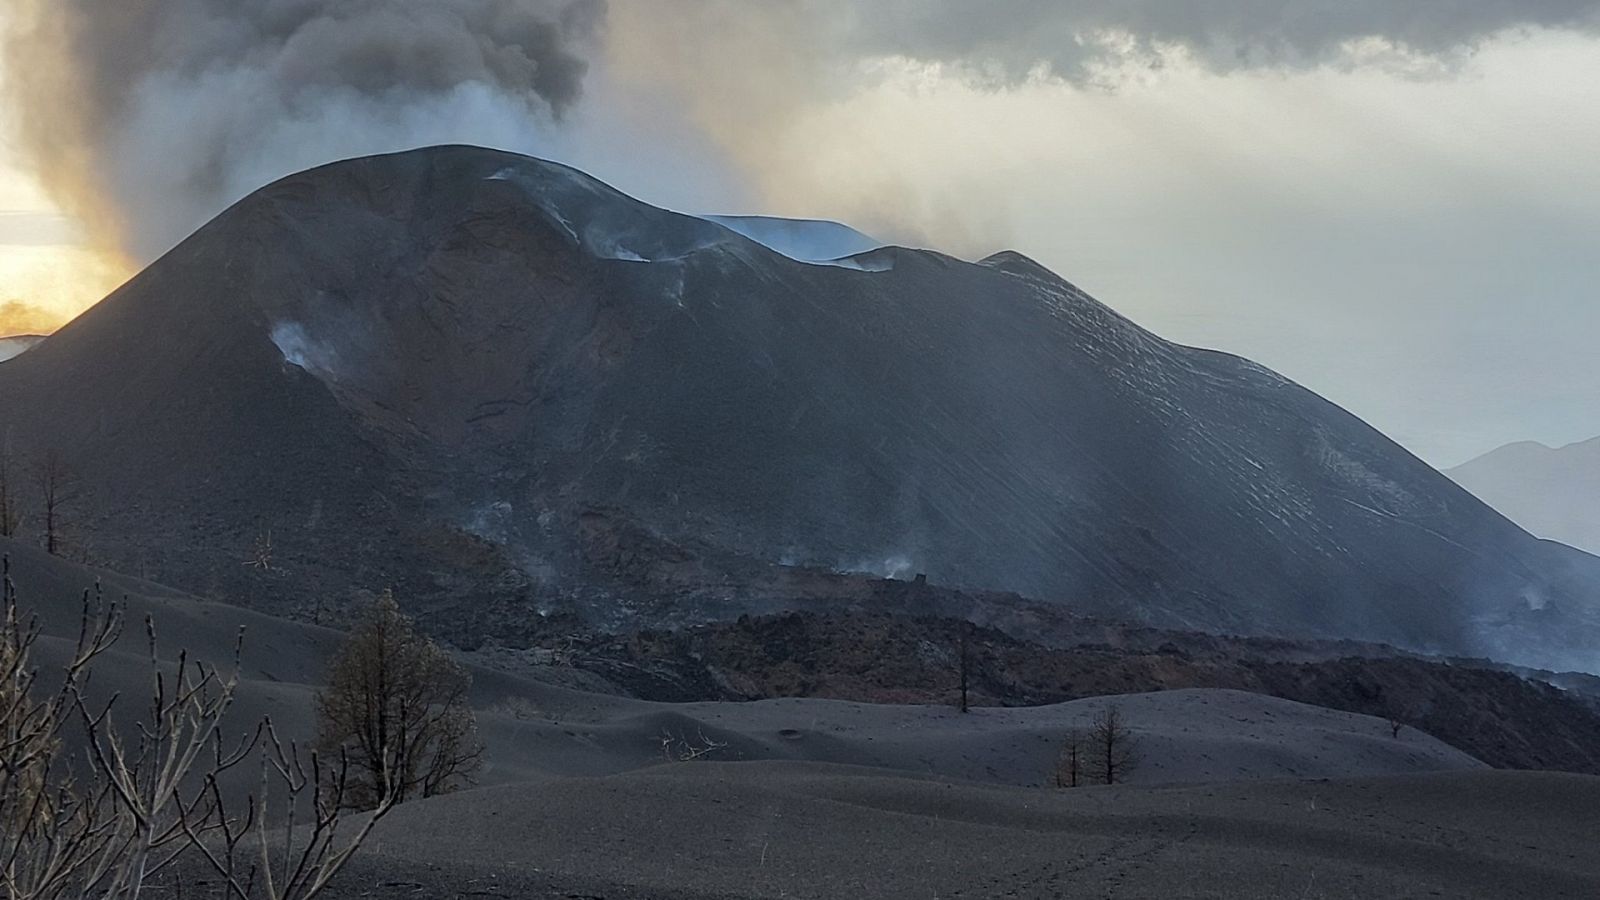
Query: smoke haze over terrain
[[213, 97], [1376, 176]]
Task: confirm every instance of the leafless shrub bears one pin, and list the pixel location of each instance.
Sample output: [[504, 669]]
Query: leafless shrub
[[308, 797], [180, 730], [676, 748], [58, 838], [1112, 753], [140, 803], [396, 704], [261, 554]]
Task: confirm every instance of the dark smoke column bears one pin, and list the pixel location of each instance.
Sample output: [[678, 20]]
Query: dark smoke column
[[146, 118]]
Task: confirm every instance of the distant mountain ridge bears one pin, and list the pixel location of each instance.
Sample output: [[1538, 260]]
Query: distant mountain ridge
[[12, 346], [1553, 492], [465, 374]]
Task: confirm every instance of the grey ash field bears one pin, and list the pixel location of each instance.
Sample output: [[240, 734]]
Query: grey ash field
[[1237, 794], [804, 830]]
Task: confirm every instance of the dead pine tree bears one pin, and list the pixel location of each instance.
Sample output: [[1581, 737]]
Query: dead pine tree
[[58, 488], [1112, 753], [396, 707], [1070, 761]]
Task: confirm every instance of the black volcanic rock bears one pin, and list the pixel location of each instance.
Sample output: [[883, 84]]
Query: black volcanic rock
[[424, 370]]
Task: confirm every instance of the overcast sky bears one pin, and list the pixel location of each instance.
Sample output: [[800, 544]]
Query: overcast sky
[[1399, 210]]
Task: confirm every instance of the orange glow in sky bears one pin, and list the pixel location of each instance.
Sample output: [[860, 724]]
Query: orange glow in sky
[[48, 274], [43, 287]]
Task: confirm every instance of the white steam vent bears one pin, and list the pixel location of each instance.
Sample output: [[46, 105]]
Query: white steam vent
[[301, 349]]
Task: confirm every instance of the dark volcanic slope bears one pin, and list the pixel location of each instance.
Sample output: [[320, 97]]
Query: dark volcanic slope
[[422, 369]]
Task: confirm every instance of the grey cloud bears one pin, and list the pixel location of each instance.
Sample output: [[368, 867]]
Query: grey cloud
[[144, 118], [1010, 41]]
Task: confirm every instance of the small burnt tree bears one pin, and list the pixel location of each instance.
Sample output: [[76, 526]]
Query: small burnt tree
[[1397, 713], [1112, 753], [396, 704], [1070, 761], [58, 488], [964, 662], [10, 502]]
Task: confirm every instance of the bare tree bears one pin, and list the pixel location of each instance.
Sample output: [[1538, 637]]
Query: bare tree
[[396, 703], [1111, 752], [261, 553], [1070, 761], [10, 502], [308, 852], [178, 734], [677, 748], [58, 488], [965, 662], [58, 838], [150, 794], [1396, 713]]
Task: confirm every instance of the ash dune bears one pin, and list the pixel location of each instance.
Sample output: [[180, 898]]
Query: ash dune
[[424, 369], [1185, 736], [808, 831], [533, 728], [809, 798]]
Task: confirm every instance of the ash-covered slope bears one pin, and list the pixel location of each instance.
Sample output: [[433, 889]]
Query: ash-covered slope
[[1552, 492], [428, 369]]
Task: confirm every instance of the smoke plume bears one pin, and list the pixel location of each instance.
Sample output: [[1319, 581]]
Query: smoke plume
[[145, 118], [770, 82]]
